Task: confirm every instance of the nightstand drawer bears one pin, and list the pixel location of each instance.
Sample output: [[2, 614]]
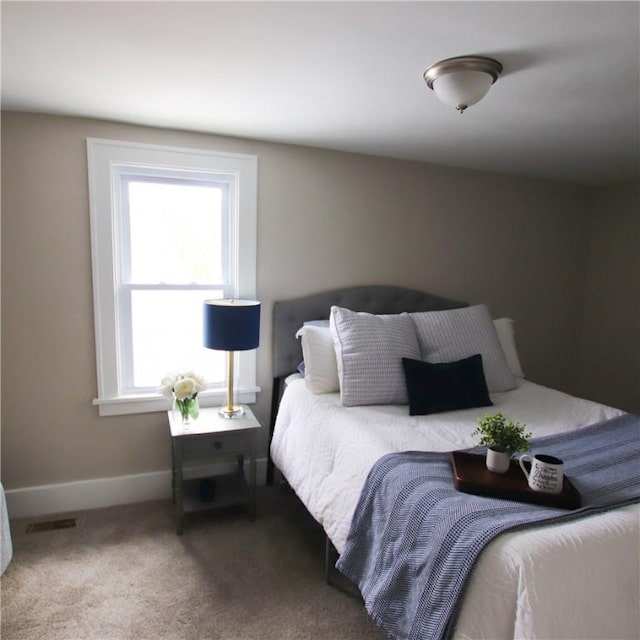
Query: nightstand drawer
[[213, 445]]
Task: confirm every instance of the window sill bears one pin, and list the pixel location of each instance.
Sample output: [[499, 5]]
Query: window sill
[[153, 403]]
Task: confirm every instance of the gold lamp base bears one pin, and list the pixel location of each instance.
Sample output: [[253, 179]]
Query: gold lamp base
[[230, 410]]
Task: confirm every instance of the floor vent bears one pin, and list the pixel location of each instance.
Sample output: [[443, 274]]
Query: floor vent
[[50, 525]]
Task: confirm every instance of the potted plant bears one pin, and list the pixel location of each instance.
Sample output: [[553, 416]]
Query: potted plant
[[503, 438]]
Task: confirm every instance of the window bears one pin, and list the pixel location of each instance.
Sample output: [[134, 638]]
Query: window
[[169, 228]]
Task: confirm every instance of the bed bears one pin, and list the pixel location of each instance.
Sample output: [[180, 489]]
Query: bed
[[575, 579]]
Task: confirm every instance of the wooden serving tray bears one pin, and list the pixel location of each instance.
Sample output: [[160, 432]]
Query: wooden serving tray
[[470, 475]]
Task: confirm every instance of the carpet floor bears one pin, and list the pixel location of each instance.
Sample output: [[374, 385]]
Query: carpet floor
[[122, 573]]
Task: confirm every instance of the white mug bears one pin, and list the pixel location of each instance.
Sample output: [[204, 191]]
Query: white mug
[[546, 473]]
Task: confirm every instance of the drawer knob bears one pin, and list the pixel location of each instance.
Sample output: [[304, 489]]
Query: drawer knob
[[217, 444]]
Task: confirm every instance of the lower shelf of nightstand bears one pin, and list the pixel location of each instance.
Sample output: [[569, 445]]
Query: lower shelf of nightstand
[[228, 490]]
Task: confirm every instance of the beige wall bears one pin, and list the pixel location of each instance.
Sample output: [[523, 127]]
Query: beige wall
[[609, 356], [325, 219]]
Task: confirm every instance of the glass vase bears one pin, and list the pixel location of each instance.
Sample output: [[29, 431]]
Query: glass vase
[[186, 411]]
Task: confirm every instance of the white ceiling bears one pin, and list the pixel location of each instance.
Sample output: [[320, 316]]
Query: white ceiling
[[346, 75]]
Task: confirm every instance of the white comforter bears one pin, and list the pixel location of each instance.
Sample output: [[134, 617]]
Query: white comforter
[[575, 580]]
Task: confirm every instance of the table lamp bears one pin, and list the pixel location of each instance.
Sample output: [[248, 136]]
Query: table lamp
[[231, 325]]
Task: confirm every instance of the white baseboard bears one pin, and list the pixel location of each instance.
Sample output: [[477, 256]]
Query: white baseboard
[[49, 499]]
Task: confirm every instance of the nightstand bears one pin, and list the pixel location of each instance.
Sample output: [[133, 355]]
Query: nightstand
[[213, 447]]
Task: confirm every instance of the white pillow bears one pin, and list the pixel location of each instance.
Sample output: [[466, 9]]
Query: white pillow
[[369, 350], [506, 336], [321, 375], [318, 352], [445, 336]]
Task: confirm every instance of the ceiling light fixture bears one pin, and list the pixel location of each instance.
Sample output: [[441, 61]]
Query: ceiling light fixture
[[462, 81]]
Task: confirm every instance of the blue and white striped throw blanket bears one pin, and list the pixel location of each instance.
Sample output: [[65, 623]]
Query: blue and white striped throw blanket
[[414, 539]]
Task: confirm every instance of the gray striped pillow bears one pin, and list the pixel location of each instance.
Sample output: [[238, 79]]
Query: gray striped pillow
[[369, 352], [445, 336]]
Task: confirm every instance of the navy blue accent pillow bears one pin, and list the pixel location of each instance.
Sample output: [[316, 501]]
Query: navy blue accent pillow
[[445, 386]]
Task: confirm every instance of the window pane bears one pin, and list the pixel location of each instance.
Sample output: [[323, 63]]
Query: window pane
[[169, 228], [167, 336], [175, 233]]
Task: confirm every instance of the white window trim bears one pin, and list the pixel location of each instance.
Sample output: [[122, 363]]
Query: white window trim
[[102, 156]]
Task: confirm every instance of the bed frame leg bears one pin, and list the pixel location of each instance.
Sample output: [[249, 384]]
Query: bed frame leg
[[330, 559], [333, 577], [276, 394]]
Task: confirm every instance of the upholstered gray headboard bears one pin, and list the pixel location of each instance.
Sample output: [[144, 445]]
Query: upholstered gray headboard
[[290, 315]]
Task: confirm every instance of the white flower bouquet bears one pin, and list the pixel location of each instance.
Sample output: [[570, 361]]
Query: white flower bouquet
[[184, 387]]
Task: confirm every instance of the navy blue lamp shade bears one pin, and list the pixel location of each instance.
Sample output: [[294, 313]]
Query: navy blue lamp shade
[[231, 325]]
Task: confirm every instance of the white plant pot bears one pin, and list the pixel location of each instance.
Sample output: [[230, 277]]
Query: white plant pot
[[498, 461]]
